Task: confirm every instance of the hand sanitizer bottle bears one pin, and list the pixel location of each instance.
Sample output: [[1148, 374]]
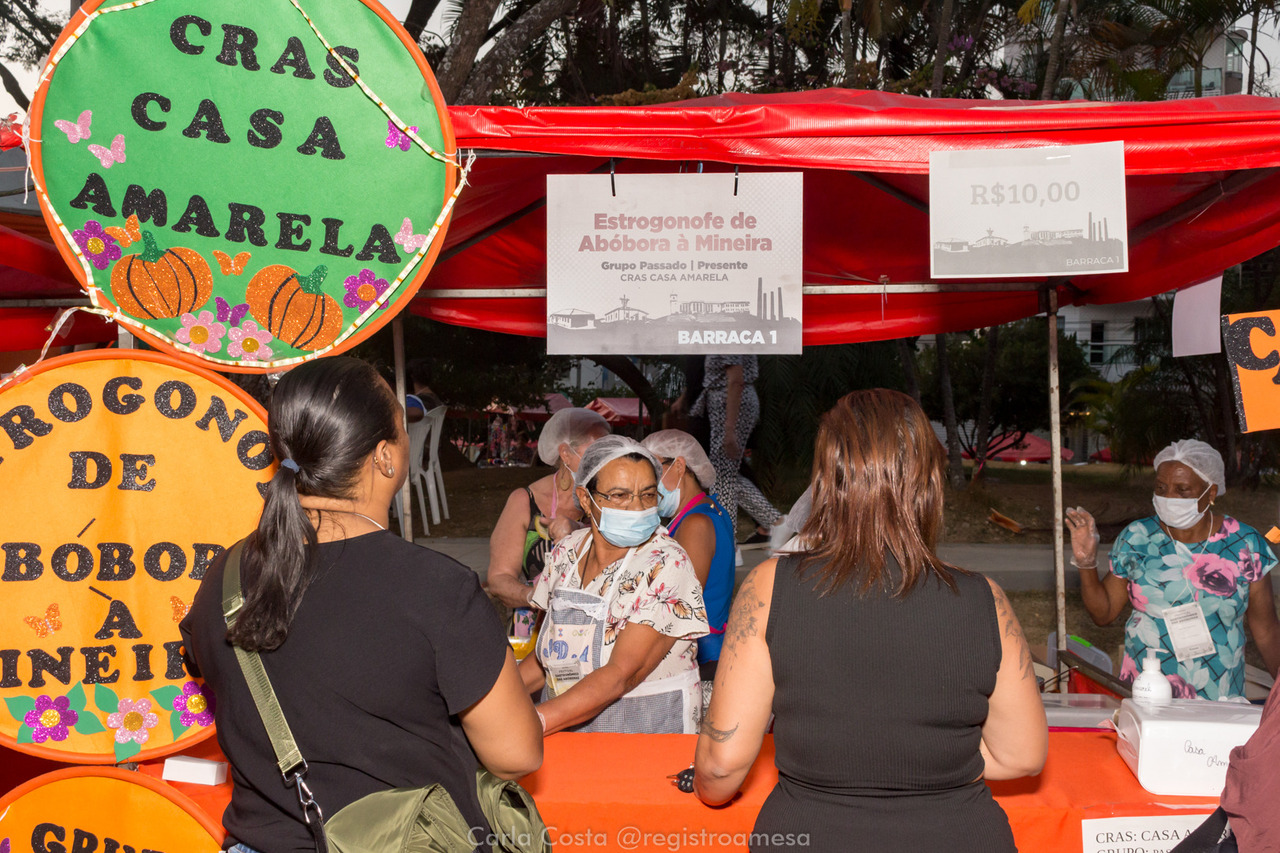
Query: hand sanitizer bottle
[[1151, 686]]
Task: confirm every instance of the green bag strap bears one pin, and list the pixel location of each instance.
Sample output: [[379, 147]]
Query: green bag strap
[[288, 757]]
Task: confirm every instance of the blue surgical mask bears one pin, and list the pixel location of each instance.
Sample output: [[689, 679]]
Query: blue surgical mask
[[626, 528], [669, 502]]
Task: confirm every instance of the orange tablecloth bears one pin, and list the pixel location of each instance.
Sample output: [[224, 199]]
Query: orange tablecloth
[[610, 792]]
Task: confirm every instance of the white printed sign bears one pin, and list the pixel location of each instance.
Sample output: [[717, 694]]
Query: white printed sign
[[674, 264], [1146, 834], [1028, 212]]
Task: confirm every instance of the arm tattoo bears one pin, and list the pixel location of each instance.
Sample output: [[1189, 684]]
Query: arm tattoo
[[744, 619], [717, 735], [1013, 632]]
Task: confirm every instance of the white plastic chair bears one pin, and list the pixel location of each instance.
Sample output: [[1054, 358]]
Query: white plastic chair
[[425, 434], [433, 473], [419, 432]]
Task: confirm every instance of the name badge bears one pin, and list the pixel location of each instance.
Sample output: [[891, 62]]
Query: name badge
[[1189, 632], [562, 675]]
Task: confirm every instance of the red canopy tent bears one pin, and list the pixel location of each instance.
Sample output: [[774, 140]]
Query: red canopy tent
[[1203, 194], [620, 410], [1031, 448]]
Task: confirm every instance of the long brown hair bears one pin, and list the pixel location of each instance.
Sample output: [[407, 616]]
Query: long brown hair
[[877, 490]]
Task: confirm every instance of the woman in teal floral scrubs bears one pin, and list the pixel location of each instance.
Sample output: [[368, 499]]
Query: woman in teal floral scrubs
[[1186, 561]]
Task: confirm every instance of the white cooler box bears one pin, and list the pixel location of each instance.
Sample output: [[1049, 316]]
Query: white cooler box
[[1182, 748]]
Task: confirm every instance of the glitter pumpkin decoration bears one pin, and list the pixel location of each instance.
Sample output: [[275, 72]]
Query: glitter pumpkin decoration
[[294, 308], [158, 283]]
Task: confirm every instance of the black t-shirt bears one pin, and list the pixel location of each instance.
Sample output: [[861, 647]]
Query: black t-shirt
[[390, 642]]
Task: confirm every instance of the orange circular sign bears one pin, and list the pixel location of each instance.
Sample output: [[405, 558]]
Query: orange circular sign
[[96, 810], [124, 476]]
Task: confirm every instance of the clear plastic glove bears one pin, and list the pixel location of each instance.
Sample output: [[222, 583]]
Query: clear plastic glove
[[1084, 537]]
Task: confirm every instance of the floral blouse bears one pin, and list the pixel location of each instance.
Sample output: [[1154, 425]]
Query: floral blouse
[[659, 589], [1163, 572]]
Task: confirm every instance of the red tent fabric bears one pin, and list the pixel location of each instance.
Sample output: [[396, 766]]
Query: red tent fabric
[[31, 269], [1202, 181], [1032, 448], [620, 410]]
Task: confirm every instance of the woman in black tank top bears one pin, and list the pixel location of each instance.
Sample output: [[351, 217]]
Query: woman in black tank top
[[897, 683]]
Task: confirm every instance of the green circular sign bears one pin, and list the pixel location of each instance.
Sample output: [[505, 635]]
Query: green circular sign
[[252, 184]]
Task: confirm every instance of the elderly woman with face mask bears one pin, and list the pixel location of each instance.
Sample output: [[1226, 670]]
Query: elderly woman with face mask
[[1193, 576], [617, 650]]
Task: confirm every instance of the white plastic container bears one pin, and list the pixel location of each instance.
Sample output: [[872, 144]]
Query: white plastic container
[[1151, 686], [1182, 748], [1079, 710]]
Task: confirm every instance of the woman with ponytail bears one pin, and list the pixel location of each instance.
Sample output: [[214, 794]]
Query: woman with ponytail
[[386, 657]]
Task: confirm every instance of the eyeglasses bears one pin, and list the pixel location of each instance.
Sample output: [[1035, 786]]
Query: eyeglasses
[[620, 499]]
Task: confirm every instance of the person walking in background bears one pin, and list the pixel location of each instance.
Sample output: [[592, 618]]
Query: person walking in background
[[729, 401], [899, 682]]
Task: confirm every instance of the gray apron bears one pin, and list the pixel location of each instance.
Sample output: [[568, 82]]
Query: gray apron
[[571, 645]]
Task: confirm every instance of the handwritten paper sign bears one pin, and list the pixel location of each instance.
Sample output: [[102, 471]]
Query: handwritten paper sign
[[124, 476], [1028, 212], [215, 173], [1253, 349], [674, 263], [103, 810]]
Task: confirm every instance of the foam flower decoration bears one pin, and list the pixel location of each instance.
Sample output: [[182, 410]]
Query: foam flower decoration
[[133, 721], [364, 289], [1212, 574], [195, 703], [50, 719], [203, 333], [98, 246], [249, 343]]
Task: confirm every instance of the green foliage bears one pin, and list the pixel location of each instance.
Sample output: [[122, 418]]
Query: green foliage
[[795, 391], [1191, 397], [1020, 392], [471, 368]]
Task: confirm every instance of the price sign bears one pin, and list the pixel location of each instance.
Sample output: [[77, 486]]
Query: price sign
[[1028, 212]]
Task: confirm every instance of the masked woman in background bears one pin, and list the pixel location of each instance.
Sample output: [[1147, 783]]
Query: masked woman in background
[[543, 511], [616, 652], [1193, 576]]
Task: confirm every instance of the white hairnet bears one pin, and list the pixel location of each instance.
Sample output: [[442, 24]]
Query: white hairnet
[[605, 450], [670, 443], [568, 426], [1199, 457]]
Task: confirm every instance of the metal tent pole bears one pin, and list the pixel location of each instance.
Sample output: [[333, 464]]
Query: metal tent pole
[[397, 338], [1055, 443]]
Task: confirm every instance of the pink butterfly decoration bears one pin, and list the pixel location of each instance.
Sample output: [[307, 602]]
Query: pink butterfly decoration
[[108, 156], [77, 131], [398, 138], [405, 237]]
